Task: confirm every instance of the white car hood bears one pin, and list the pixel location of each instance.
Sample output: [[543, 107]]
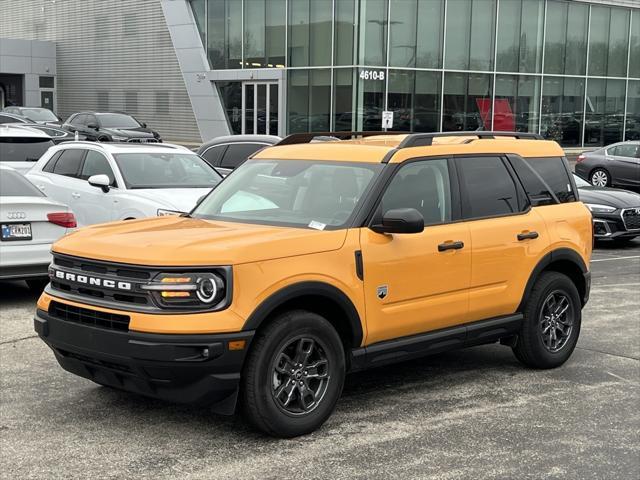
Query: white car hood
[[180, 199]]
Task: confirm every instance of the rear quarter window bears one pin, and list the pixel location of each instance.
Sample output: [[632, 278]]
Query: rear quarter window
[[555, 173]]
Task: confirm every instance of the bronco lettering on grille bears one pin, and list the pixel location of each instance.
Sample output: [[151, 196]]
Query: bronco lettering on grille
[[98, 282]]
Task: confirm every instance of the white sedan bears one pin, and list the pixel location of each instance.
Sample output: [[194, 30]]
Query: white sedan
[[30, 223], [102, 182]]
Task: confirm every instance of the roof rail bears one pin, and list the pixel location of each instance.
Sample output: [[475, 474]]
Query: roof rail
[[426, 139], [309, 136]]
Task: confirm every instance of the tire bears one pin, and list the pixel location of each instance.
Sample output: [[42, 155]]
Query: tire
[[531, 349], [600, 177], [262, 378], [37, 285]]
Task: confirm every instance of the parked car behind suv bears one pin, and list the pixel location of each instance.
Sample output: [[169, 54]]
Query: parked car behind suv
[[21, 146], [229, 152], [35, 115], [312, 260], [111, 181], [613, 165], [110, 127]]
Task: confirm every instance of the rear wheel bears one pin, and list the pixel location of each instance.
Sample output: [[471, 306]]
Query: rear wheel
[[293, 375], [551, 324], [600, 178]]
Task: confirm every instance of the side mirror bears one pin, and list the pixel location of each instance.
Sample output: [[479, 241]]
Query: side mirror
[[93, 126], [144, 125], [100, 181], [400, 220]]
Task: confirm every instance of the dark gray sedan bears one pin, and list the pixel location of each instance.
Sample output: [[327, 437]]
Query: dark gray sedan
[[614, 165], [228, 152]]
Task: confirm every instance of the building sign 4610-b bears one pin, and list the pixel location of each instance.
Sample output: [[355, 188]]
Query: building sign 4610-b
[[372, 74]]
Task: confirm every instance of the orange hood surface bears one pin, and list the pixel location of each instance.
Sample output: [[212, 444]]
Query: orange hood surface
[[178, 241]]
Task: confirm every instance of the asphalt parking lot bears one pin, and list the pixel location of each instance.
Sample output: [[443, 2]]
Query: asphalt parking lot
[[474, 413]]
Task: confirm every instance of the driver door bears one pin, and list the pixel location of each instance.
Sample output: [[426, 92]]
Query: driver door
[[418, 282]]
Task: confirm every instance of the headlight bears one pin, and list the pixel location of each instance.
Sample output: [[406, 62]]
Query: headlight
[[596, 208], [115, 138], [163, 213], [188, 290]]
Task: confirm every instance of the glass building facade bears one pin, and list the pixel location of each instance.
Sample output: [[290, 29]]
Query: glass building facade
[[567, 69]]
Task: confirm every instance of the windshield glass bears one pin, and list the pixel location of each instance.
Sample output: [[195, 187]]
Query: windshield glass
[[13, 184], [39, 114], [580, 182], [290, 192], [117, 120], [166, 170], [23, 149]]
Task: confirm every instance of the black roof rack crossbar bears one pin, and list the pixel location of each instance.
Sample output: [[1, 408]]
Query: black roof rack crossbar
[[426, 139], [308, 137]]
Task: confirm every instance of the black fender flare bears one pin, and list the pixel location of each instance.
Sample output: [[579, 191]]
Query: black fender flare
[[560, 254], [311, 288]]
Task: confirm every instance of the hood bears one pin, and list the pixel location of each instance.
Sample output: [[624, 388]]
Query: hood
[[613, 197], [179, 199], [181, 241], [138, 132]]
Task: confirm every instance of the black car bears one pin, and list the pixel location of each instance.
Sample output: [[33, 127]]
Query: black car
[[110, 127], [228, 152], [616, 213], [35, 115]]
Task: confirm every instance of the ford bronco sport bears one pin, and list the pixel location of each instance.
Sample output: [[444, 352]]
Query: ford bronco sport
[[315, 259]]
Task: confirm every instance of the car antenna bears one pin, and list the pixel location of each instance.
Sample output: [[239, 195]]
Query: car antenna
[[76, 137]]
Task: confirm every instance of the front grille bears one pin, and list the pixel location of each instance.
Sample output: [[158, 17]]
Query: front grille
[[86, 316], [631, 218]]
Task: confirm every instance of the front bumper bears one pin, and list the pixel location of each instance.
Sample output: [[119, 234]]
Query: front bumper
[[178, 368], [611, 226]]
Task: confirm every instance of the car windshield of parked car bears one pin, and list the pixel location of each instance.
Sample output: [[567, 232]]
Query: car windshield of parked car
[[39, 114], [313, 194], [23, 149], [13, 184], [580, 182], [117, 120], [166, 170]]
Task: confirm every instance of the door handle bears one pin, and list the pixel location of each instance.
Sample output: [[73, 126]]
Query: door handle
[[527, 236], [450, 246]]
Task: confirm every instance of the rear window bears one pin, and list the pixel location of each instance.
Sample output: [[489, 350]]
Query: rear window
[[13, 184], [23, 149], [556, 175]]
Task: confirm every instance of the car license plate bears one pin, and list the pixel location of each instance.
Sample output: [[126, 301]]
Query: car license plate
[[16, 231]]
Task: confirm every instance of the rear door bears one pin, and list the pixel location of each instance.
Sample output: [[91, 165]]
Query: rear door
[[625, 165], [506, 234], [62, 182]]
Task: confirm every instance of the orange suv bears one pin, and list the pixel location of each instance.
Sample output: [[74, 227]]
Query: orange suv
[[315, 259]]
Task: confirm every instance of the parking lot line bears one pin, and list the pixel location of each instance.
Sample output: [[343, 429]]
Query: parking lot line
[[614, 258]]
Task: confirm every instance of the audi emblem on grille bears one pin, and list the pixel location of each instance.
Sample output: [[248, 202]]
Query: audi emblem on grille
[[93, 281]]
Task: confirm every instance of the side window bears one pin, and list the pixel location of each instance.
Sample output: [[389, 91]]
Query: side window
[[69, 162], [628, 150], [422, 185], [553, 171], [77, 120], [487, 187], [90, 120], [214, 154], [96, 164], [237, 153], [52, 162]]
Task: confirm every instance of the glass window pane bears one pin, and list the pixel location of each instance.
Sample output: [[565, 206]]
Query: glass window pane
[[429, 33], [566, 31], [599, 40], [618, 43], [470, 34], [309, 100], [605, 111], [562, 106], [467, 101], [344, 32], [633, 111], [275, 32], [634, 58], [343, 100], [517, 103], [249, 109], [254, 34], [97, 164], [400, 98], [231, 97], [198, 7], [402, 34], [309, 30], [519, 47], [373, 32], [224, 33], [458, 30], [414, 97], [369, 104]]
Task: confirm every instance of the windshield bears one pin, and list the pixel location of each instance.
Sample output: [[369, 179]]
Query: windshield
[[166, 170], [23, 149], [117, 120], [39, 114], [290, 192], [13, 184], [580, 182]]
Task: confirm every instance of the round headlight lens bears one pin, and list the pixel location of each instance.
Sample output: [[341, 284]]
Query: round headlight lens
[[207, 290]]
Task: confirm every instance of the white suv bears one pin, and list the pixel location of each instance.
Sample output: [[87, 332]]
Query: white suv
[[102, 182]]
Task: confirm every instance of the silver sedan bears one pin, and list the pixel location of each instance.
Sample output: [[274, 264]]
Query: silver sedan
[[29, 223]]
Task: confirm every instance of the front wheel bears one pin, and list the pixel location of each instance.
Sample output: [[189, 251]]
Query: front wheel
[[293, 375], [551, 325]]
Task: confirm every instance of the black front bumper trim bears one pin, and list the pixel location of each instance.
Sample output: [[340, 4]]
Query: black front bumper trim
[[178, 368]]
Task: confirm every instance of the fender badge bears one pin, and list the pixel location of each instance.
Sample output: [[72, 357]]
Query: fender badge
[[382, 291]]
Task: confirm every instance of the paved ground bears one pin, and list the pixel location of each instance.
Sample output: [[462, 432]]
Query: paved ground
[[470, 414]]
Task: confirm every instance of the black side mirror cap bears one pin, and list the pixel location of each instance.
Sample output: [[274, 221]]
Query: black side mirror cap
[[93, 126], [400, 220]]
